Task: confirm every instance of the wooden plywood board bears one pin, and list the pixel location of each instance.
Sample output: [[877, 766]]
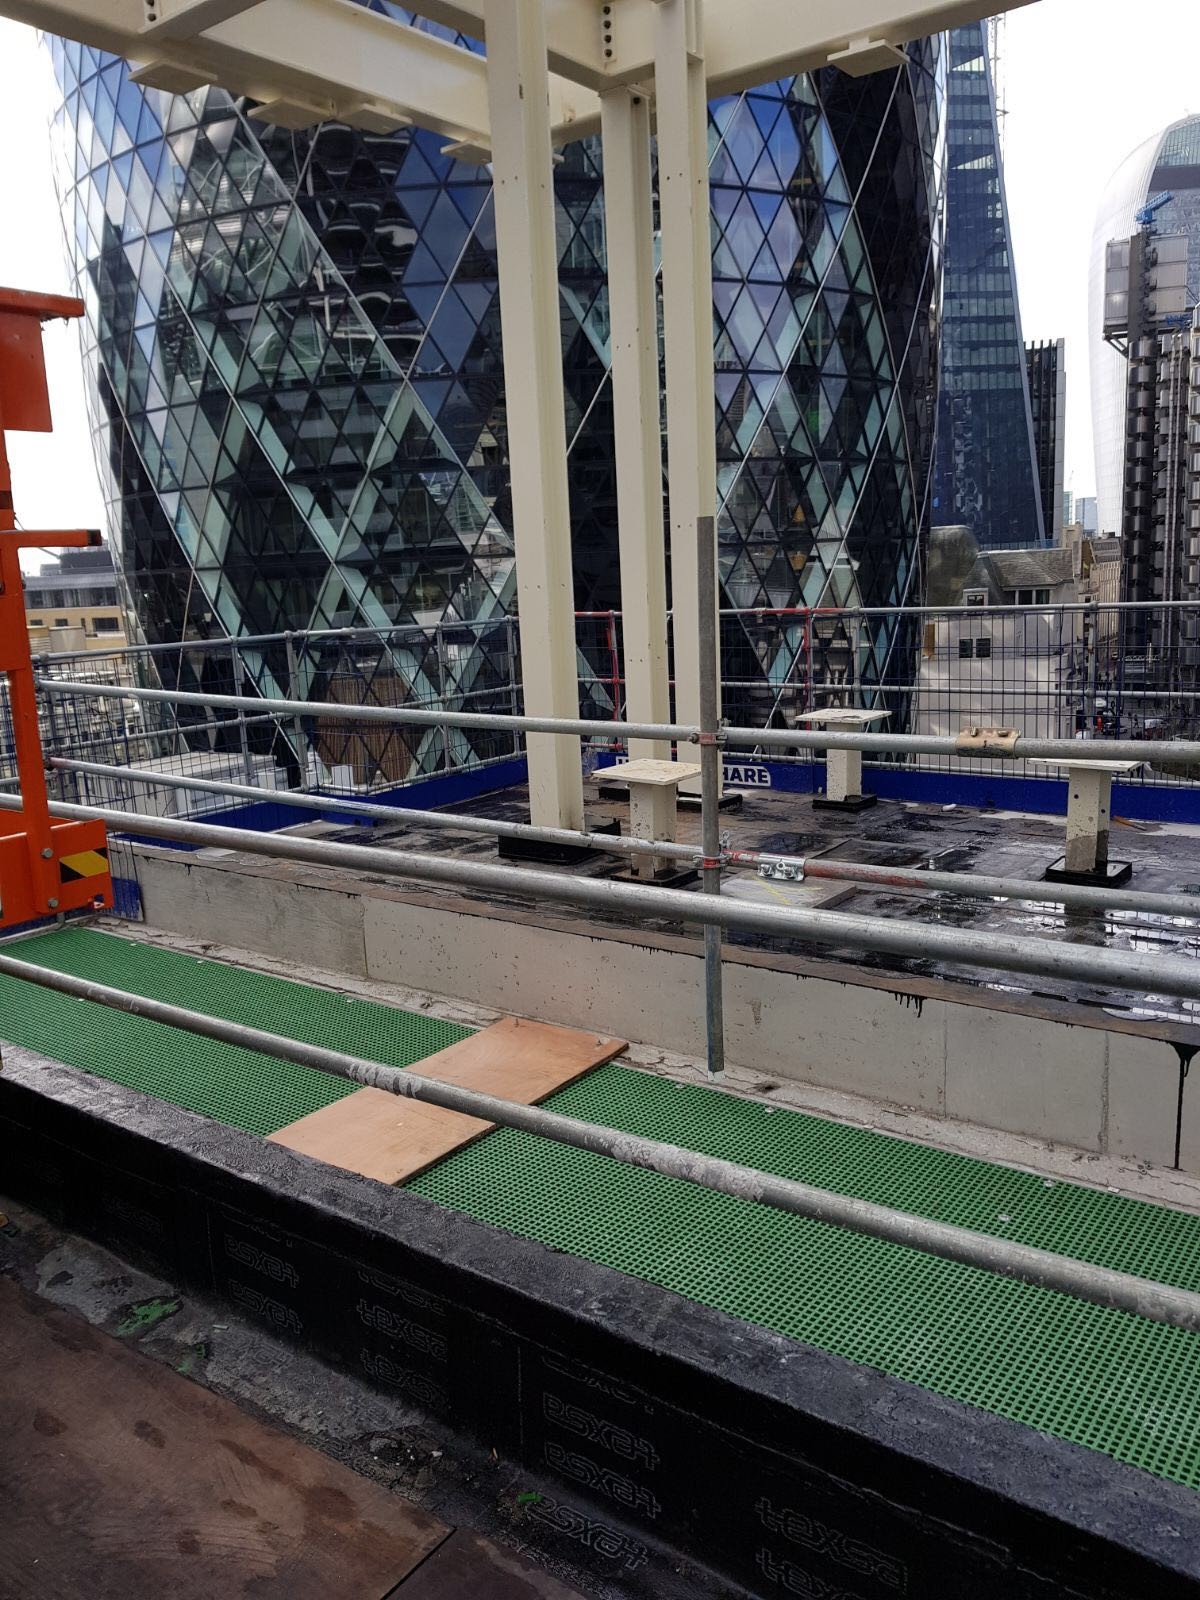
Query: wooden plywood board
[[381, 1135], [520, 1060], [121, 1480], [392, 1139]]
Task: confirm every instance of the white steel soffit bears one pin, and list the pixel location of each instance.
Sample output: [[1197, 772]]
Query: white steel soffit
[[332, 58]]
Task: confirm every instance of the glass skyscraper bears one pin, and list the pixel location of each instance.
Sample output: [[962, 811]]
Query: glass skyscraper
[[1166, 164], [1046, 369], [986, 478], [294, 349]]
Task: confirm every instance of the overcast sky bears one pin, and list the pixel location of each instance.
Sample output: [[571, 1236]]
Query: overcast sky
[[1084, 81]]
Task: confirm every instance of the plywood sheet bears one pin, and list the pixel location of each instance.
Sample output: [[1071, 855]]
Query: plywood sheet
[[380, 1135], [387, 1137], [520, 1060], [121, 1480]]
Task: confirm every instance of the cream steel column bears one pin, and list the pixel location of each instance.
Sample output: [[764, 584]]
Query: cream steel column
[[629, 234], [522, 178], [682, 126]]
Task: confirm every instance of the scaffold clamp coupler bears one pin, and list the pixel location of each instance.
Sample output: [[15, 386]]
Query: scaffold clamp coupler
[[987, 741]]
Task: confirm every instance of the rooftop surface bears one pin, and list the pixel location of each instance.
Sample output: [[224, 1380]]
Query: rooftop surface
[[1165, 857], [1101, 1378]]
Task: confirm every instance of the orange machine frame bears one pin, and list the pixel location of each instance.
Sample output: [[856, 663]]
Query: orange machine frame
[[46, 866]]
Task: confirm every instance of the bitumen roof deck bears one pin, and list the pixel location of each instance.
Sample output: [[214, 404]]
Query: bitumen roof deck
[[1101, 1378], [1165, 858]]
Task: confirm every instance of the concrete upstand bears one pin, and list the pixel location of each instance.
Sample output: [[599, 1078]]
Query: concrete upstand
[[843, 768], [1089, 804], [653, 791]]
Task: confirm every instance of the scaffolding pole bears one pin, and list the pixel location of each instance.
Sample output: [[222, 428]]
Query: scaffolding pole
[[1182, 751], [978, 886], [1123, 969]]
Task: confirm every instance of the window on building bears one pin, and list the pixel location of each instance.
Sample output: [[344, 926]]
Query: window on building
[[974, 597], [36, 622], [61, 622], [1031, 597], [981, 649], [106, 624]]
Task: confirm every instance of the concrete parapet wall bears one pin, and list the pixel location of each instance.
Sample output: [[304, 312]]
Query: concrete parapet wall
[[1049, 1069]]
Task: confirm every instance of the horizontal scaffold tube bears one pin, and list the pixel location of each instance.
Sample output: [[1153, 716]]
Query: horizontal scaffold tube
[[1180, 1308], [1122, 969], [448, 821], [1022, 749], [918, 879]]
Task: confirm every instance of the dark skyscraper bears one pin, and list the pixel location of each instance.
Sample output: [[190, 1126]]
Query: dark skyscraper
[[293, 347], [985, 477], [1047, 369]]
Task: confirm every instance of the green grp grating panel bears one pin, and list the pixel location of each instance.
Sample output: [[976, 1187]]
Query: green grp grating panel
[[235, 1086], [1113, 1382], [1100, 1378]]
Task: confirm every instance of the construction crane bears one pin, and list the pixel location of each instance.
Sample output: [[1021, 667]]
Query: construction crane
[[1145, 217]]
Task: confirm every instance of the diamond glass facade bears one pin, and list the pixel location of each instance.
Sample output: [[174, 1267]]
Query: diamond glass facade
[[986, 478], [293, 343]]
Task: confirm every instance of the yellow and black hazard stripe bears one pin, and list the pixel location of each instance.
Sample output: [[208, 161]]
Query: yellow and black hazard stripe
[[85, 864]]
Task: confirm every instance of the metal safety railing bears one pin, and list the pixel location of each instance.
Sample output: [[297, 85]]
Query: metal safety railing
[[1184, 752], [921, 879], [960, 946], [1063, 671], [1179, 1308], [708, 909]]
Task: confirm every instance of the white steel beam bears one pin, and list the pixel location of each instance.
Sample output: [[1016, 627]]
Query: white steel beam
[[629, 234], [527, 250], [687, 325], [336, 56], [756, 43], [600, 42], [332, 56], [184, 19], [575, 32]]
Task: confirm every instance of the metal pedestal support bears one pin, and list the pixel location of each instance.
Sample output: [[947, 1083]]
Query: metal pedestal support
[[843, 768], [1089, 807], [843, 784], [653, 787]]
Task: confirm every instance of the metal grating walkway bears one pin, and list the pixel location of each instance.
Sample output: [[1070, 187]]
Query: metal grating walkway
[[1101, 1378], [239, 1087]]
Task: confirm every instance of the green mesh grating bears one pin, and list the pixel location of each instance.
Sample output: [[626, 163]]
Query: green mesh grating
[[1101, 1378], [239, 1087]]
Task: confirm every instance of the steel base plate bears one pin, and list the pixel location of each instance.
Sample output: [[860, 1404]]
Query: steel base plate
[[1108, 877], [852, 802]]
